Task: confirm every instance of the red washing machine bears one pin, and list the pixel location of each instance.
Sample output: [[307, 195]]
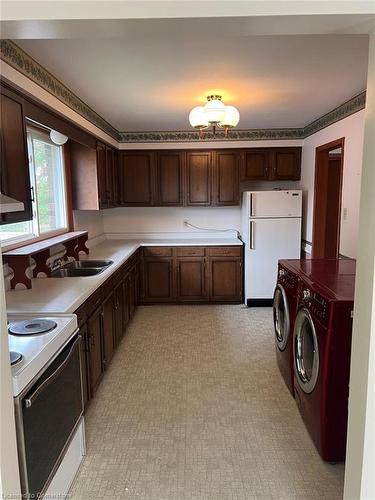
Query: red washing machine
[[284, 313], [322, 348]]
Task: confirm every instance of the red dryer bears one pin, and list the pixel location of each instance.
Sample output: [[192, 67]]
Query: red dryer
[[322, 348], [284, 312]]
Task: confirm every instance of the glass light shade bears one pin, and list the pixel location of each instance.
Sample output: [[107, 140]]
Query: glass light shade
[[214, 111], [231, 118], [197, 117], [58, 138]]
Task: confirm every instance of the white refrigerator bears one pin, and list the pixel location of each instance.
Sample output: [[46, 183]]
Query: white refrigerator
[[271, 230]]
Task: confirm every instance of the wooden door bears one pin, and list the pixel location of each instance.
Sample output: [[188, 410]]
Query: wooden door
[[191, 279], [94, 324], [118, 313], [226, 178], [169, 178], [198, 178], [137, 178], [285, 164], [255, 165], [85, 365], [225, 279], [14, 166], [327, 200], [157, 274], [101, 165], [108, 329]]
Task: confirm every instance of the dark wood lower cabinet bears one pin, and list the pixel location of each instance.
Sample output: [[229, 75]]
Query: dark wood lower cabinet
[[119, 327], [108, 311], [84, 364], [94, 324], [190, 279], [192, 274]]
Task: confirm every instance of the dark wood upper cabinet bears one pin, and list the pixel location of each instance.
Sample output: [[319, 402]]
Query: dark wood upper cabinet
[[101, 162], [137, 178], [198, 178], [14, 167], [285, 164], [169, 178], [110, 174], [226, 177], [255, 165]]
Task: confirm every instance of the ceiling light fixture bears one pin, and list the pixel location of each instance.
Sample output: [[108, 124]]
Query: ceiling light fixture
[[214, 113]]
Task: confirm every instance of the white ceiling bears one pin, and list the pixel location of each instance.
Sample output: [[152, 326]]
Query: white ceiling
[[149, 76]]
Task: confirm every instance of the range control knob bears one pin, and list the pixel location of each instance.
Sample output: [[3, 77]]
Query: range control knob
[[282, 273], [306, 295]]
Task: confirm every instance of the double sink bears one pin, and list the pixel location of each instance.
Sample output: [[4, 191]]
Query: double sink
[[81, 268]]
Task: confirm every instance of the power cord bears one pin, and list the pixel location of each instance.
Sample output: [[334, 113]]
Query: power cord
[[187, 223]]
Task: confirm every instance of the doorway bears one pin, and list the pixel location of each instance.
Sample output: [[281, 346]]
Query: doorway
[[327, 200]]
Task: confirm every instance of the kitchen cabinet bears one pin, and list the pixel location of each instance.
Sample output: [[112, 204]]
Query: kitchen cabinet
[[84, 364], [119, 326], [192, 274], [94, 325], [94, 176], [267, 164], [137, 177], [198, 178], [126, 302], [108, 311], [14, 166], [226, 177], [169, 178], [285, 164]]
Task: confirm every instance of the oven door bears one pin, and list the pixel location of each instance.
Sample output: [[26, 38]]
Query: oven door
[[306, 351], [47, 414], [281, 317]]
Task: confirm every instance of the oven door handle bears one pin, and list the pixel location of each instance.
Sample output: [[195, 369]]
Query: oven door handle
[[30, 400]]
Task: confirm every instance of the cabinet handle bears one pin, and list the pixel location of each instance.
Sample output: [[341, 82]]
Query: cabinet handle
[[32, 194], [252, 223]]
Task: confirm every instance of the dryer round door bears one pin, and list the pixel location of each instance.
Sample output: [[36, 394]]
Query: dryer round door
[[281, 317], [306, 351]]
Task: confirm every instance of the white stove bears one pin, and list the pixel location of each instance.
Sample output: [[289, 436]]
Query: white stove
[[36, 349]]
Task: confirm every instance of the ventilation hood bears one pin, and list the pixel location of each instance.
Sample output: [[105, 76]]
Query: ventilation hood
[[8, 204]]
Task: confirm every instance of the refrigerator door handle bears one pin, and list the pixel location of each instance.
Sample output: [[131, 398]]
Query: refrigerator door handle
[[251, 204], [252, 223]]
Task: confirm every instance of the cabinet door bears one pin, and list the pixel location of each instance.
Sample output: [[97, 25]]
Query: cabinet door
[[286, 164], [169, 178], [255, 165], [101, 162], [118, 313], [198, 178], [225, 279], [157, 279], [137, 178], [85, 365], [190, 279], [226, 178], [108, 328], [126, 301], [14, 167], [94, 324], [110, 177]]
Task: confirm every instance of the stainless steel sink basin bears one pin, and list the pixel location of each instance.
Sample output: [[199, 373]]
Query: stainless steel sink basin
[[84, 264], [72, 272]]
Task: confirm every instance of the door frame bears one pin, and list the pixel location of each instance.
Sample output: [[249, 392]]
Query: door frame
[[322, 157]]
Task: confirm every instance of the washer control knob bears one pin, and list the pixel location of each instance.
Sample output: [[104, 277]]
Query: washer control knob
[[306, 295], [282, 273]]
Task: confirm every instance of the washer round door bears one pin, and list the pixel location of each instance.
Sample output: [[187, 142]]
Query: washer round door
[[281, 318], [306, 351]]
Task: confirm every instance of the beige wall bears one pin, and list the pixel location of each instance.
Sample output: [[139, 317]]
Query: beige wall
[[352, 128]]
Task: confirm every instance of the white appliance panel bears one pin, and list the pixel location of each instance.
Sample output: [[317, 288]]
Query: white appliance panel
[[271, 240], [263, 204]]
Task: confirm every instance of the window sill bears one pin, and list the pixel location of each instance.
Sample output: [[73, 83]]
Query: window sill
[[6, 247]]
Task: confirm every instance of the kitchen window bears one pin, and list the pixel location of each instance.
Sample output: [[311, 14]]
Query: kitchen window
[[48, 186]]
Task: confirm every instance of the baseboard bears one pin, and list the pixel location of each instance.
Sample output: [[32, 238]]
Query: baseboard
[[259, 302]]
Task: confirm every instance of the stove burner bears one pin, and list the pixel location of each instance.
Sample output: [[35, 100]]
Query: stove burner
[[15, 357], [32, 326]]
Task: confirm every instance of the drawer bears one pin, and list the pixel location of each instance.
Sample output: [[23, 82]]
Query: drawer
[[81, 313], [230, 251], [189, 251], [157, 251], [94, 301]]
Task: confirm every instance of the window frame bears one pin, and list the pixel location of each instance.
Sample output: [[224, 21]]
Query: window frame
[[43, 133]]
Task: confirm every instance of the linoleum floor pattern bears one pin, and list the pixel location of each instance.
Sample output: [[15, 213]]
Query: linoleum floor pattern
[[193, 407]]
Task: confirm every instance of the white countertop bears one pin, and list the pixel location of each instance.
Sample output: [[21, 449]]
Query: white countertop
[[65, 295]]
